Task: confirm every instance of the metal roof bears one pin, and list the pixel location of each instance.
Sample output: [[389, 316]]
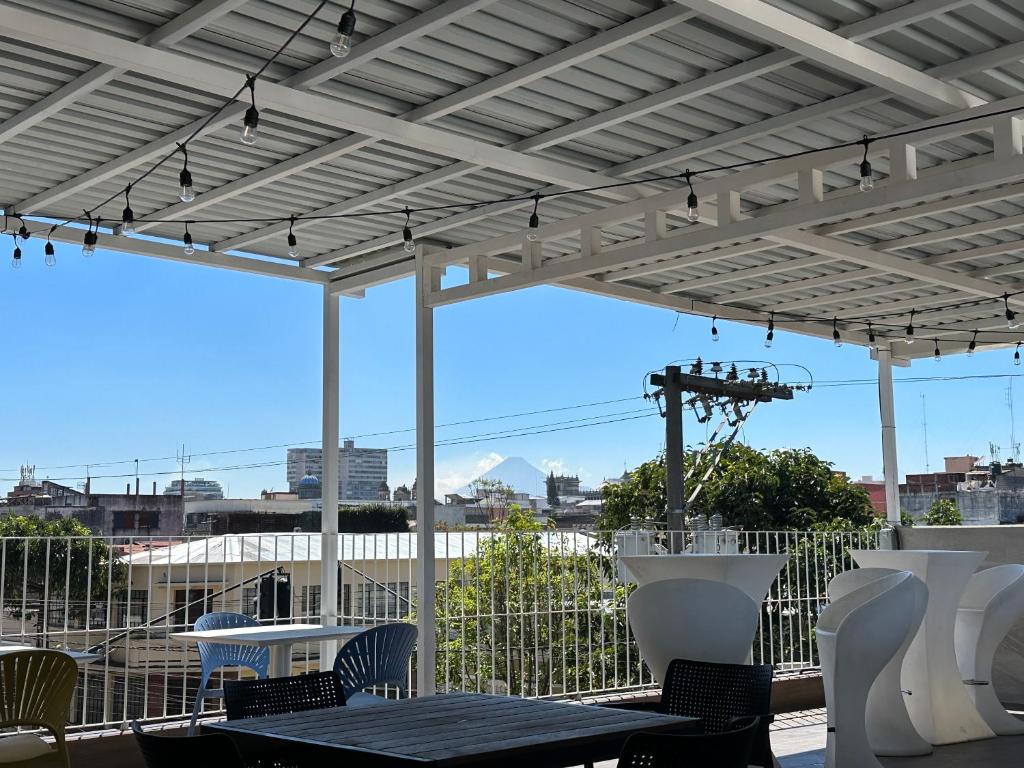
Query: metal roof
[[475, 100]]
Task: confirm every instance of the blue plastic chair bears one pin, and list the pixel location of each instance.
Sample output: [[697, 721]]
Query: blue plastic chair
[[213, 656], [378, 656]]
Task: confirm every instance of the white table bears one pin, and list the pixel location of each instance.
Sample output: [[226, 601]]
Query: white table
[[753, 574], [279, 638], [80, 657], [939, 705]]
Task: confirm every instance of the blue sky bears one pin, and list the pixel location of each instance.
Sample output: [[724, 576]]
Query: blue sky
[[121, 357]]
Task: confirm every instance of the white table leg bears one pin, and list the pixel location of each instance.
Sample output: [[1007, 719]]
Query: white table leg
[[281, 660]]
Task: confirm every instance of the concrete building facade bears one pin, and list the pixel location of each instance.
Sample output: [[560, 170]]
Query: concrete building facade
[[360, 470]]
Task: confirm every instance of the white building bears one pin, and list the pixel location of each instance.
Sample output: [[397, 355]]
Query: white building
[[360, 470]]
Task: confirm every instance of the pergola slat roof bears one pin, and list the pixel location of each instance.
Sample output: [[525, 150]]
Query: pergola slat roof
[[475, 100]]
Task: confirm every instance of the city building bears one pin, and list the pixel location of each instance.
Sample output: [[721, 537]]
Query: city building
[[196, 488], [985, 494], [360, 470]]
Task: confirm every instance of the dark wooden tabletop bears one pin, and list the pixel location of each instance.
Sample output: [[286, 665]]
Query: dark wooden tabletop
[[453, 729]]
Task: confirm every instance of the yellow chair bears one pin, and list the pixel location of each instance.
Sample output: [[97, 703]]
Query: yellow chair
[[35, 692]]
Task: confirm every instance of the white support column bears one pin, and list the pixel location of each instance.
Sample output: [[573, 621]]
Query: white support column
[[887, 412], [329, 480], [427, 281]]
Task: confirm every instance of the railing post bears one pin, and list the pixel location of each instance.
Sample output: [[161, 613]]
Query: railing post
[[329, 481], [427, 280]]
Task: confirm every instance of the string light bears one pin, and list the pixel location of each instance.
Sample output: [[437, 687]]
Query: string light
[[293, 242], [186, 193], [867, 180], [186, 240], [692, 214], [50, 255], [909, 334], [1011, 317], [251, 122], [1016, 354], [836, 339], [871, 334], [770, 337], [409, 243], [974, 343], [127, 215], [89, 241], [937, 354], [531, 232], [714, 328], [341, 44], [16, 257]]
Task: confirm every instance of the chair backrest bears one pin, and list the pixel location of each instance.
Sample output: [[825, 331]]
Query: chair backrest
[[726, 749], [987, 585], [378, 656], [216, 749], [281, 695], [215, 655], [693, 619], [36, 689], [717, 693]]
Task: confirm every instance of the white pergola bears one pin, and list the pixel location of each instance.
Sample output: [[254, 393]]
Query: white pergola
[[464, 101]]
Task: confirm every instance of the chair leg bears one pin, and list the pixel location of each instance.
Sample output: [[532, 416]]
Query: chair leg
[[196, 708]]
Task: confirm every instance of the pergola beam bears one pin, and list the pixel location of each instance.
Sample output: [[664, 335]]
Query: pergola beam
[[173, 31], [765, 22]]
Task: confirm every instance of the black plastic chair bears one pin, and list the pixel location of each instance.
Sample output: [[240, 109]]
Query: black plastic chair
[[725, 749], [182, 751], [378, 656], [282, 695], [719, 694]]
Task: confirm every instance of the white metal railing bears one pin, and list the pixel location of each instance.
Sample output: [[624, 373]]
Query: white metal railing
[[526, 614]]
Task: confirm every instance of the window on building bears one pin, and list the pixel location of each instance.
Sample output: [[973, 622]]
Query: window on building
[[309, 601], [196, 601], [383, 601]]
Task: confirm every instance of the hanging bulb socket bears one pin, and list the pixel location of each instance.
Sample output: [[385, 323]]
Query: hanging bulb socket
[[251, 121], [692, 213], [407, 240], [293, 242], [908, 335], [23, 232], [531, 232], [836, 338], [185, 191], [89, 241], [937, 354], [867, 179], [1016, 355], [871, 333], [714, 328], [127, 215], [1011, 316], [16, 256], [973, 345], [770, 336], [186, 241], [341, 43]]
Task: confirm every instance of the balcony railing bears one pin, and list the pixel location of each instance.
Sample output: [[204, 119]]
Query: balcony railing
[[540, 615]]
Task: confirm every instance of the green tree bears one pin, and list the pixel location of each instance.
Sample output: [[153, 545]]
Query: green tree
[[55, 565], [552, 489], [943, 512], [782, 489], [496, 496], [531, 612], [372, 518]]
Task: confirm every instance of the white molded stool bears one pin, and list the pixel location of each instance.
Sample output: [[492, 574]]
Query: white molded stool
[[696, 619], [890, 730], [857, 636], [991, 604]]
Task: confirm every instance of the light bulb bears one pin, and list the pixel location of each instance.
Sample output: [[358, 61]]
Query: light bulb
[[408, 243], [714, 333], [341, 43], [836, 339], [531, 232], [51, 256], [187, 194], [16, 259], [89, 243], [692, 214], [1011, 320], [127, 221], [769, 339], [937, 355], [867, 181], [293, 246], [250, 128], [1016, 357], [190, 247]]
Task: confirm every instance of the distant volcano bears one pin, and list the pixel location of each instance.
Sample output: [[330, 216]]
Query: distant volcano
[[517, 473]]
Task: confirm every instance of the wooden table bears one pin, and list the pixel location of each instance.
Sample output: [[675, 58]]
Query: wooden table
[[278, 637], [455, 729]]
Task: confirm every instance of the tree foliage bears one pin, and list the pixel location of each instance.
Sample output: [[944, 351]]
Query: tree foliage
[[943, 512], [529, 612], [552, 490], [372, 518], [56, 563], [782, 489]]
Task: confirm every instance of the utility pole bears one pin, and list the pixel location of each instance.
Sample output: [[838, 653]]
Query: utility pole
[[674, 494], [183, 459], [924, 424]]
